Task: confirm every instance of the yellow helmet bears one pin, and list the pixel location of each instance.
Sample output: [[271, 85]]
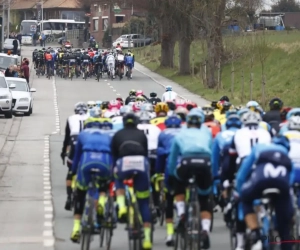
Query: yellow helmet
[[161, 107]]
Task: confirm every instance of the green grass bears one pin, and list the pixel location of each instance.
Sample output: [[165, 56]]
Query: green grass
[[282, 72]]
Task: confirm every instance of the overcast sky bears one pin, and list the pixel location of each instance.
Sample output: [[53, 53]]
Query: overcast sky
[[268, 3]]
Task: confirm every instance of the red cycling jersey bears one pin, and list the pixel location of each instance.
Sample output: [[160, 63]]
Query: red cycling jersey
[[91, 54]]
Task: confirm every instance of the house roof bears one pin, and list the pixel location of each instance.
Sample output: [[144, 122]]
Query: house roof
[[22, 4], [68, 4]]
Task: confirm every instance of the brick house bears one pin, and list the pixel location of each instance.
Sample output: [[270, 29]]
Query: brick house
[[52, 9], [104, 15]]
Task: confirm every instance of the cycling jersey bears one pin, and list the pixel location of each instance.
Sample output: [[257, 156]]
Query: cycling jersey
[[159, 122], [152, 132], [169, 96], [48, 57]]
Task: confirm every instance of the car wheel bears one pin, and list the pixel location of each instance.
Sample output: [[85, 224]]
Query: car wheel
[[8, 114], [29, 112]]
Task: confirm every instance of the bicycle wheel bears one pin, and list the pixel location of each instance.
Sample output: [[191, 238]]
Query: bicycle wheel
[[179, 243], [86, 233], [134, 227], [162, 206], [109, 223], [85, 75], [193, 225]]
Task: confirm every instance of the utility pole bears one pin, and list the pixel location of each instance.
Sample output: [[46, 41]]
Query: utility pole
[[2, 28], [8, 17]]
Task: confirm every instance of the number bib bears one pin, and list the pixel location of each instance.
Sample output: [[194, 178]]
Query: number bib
[[86, 60], [72, 60], [133, 163]]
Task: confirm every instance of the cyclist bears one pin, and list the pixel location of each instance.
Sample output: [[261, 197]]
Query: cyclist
[[48, 59], [74, 126], [68, 45], [72, 62], [182, 113], [129, 62], [54, 57], [129, 147], [161, 110], [210, 121], [40, 60], [110, 62], [117, 121], [190, 105], [85, 63], [91, 104], [92, 151], [292, 112], [78, 56], [97, 60], [273, 117], [148, 107], [34, 55], [154, 99], [268, 159], [165, 140], [131, 97], [119, 46], [193, 146], [120, 61], [169, 95]]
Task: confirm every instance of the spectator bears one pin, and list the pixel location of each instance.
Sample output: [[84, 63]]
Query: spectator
[[15, 44], [25, 70], [16, 73], [34, 38], [19, 37], [9, 72], [20, 73], [43, 40]]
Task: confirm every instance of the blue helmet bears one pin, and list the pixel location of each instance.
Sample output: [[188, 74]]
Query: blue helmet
[[195, 116], [168, 88], [282, 140], [98, 103], [231, 112], [292, 112], [173, 122], [233, 121]]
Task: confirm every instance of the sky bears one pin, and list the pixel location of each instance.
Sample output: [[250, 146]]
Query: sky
[[268, 3]]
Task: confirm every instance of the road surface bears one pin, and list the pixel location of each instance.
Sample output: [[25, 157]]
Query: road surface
[[32, 194]]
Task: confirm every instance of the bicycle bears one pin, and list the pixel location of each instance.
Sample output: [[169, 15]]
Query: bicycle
[[89, 218], [85, 72], [98, 72], [296, 226], [134, 221], [110, 72], [72, 72], [188, 235], [49, 71], [110, 219], [160, 187]]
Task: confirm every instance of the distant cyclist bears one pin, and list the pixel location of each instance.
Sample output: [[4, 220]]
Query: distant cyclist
[[169, 95]]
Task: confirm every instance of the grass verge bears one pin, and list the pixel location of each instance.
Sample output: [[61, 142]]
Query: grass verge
[[278, 52]]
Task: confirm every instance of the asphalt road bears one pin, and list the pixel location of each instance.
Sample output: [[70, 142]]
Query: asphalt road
[[26, 193]]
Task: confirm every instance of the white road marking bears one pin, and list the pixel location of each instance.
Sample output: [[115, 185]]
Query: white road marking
[[118, 94]]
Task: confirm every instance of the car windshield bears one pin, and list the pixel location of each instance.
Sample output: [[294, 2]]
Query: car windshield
[[6, 61], [20, 85], [3, 84]]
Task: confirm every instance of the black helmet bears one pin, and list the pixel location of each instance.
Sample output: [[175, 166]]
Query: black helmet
[[224, 98], [153, 94], [276, 104], [130, 118]]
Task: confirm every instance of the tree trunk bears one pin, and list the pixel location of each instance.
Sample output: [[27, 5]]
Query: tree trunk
[[168, 39], [211, 79], [184, 56]]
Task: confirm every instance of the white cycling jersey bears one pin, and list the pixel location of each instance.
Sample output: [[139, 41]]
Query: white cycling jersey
[[120, 57], [169, 96], [76, 123], [152, 132], [294, 138], [110, 59], [246, 137]]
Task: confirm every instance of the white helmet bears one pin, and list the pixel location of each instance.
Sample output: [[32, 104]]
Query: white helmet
[[294, 123], [147, 107], [251, 118], [91, 104], [144, 117]]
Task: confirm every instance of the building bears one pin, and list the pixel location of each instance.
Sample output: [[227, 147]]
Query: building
[[288, 19], [52, 9], [105, 15]]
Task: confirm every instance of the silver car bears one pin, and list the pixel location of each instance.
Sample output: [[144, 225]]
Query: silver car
[[6, 107], [8, 46]]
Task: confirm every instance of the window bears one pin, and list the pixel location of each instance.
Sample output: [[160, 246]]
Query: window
[[96, 24], [105, 24], [3, 84], [119, 19]]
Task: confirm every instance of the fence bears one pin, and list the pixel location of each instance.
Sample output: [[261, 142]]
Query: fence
[[76, 37]]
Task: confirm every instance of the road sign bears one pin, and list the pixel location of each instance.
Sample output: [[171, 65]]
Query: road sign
[[32, 27]]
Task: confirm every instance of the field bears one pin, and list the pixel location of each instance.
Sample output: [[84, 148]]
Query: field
[[277, 52]]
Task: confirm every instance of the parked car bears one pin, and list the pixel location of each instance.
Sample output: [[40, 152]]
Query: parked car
[[123, 41], [22, 95], [140, 40], [6, 100], [8, 45], [7, 60]]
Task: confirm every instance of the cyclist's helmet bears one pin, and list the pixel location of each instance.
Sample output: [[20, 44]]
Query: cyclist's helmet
[[140, 99], [173, 122], [92, 122], [195, 117], [161, 107], [125, 109], [226, 106], [95, 112], [242, 111], [169, 88], [114, 104], [120, 100], [252, 105], [147, 107], [80, 108], [276, 104], [144, 117], [137, 106], [251, 118], [294, 123], [139, 93], [224, 98], [171, 105], [233, 120], [282, 140], [104, 105], [130, 119], [98, 104], [190, 105], [153, 95], [293, 112], [106, 124], [208, 113], [91, 104], [132, 92]]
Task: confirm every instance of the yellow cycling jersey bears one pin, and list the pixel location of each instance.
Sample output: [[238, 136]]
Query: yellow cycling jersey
[[292, 135], [159, 122], [60, 55]]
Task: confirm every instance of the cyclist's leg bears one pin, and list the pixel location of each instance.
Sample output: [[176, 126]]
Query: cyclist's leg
[[169, 216], [141, 187]]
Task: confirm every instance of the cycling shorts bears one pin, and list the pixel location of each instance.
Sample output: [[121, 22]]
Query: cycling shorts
[[129, 65]]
